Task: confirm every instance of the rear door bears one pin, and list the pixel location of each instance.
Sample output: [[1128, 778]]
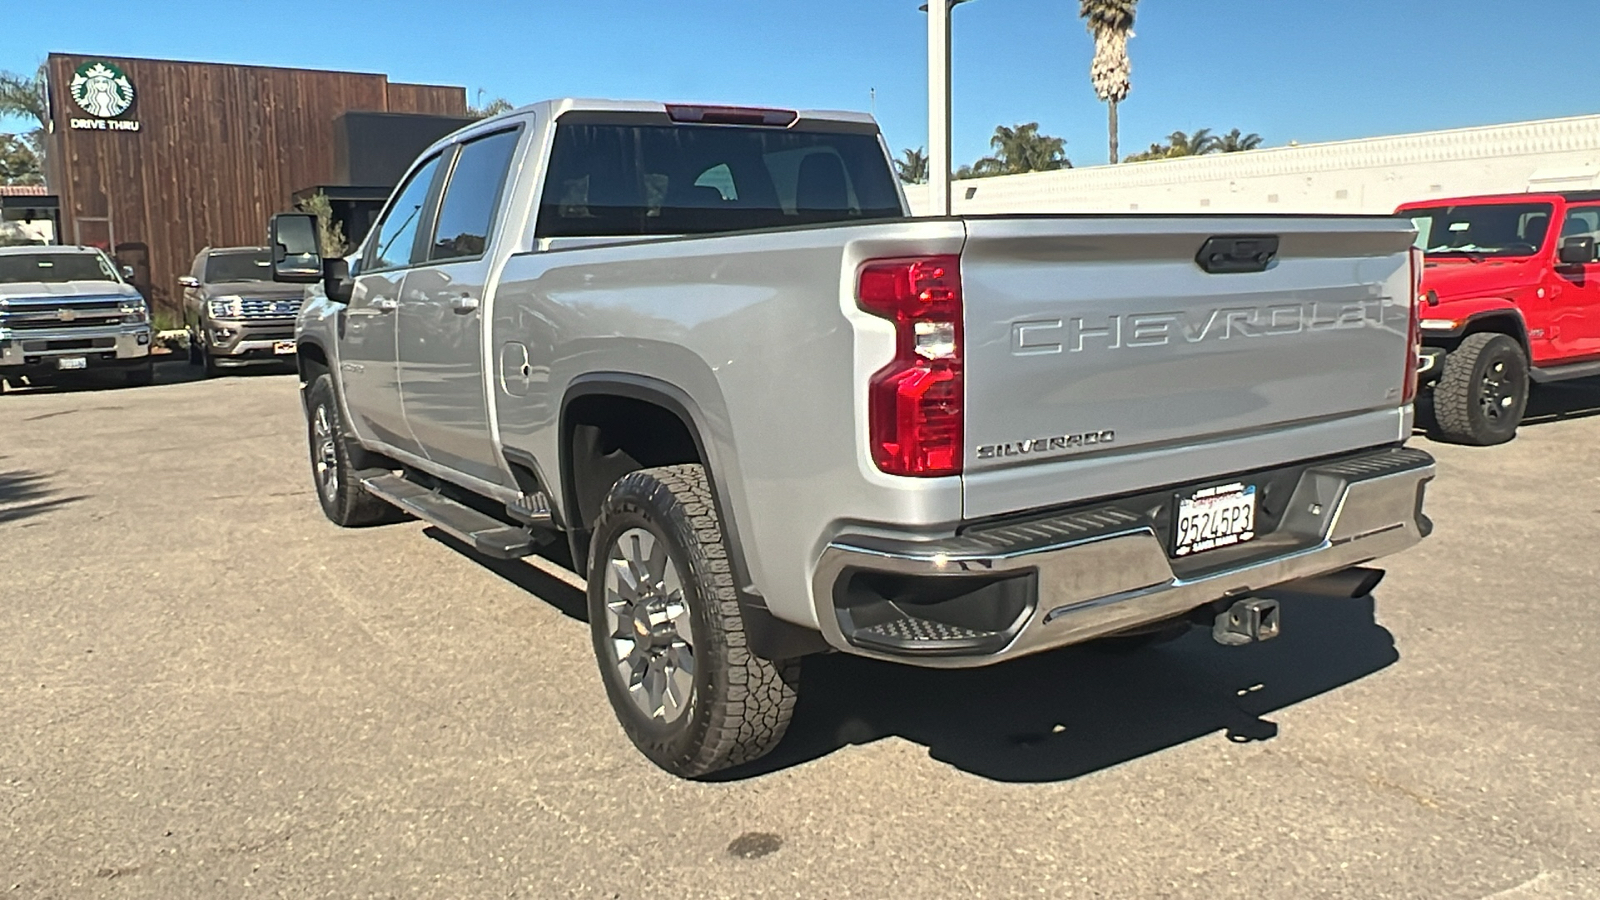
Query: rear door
[[441, 312], [368, 365], [1102, 357]]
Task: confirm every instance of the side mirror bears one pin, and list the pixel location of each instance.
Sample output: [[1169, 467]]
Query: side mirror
[[1577, 251], [127, 273], [296, 252], [336, 282], [188, 281]]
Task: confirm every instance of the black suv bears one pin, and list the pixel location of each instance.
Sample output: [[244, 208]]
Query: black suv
[[234, 312]]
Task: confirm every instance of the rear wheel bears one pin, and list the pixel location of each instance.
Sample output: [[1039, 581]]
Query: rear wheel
[[668, 634], [1483, 391], [344, 501]]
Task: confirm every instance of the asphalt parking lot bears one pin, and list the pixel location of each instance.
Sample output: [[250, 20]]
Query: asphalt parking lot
[[207, 690]]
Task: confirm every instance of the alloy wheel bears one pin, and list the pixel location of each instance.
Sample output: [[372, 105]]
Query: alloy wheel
[[647, 619], [1498, 393], [325, 456]]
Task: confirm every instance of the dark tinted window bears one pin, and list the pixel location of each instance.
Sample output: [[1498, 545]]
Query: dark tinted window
[[55, 268], [687, 179], [397, 232], [1501, 229], [470, 200], [224, 267]]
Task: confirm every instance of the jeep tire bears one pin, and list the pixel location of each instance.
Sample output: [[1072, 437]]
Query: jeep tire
[[344, 501], [668, 633], [1483, 390]]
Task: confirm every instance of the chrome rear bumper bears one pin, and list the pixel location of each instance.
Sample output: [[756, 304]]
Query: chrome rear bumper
[[1101, 570]]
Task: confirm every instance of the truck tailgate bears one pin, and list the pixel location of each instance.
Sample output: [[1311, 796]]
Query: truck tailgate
[[1102, 358]]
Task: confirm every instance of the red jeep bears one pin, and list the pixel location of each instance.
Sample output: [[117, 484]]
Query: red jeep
[[1512, 287]]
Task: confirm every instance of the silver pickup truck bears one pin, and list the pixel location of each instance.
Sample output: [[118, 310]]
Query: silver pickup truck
[[67, 311], [706, 357]]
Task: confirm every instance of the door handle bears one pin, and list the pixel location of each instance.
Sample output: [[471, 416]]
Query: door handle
[[384, 304], [463, 304]]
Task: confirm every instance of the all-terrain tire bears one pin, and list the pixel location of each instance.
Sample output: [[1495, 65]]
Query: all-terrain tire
[[1482, 392], [740, 704], [344, 501]]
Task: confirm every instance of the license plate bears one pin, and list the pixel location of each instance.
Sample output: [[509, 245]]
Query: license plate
[[72, 362], [1215, 517], [283, 347]]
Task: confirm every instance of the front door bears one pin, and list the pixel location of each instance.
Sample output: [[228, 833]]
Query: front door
[[368, 333], [1575, 303], [442, 314]]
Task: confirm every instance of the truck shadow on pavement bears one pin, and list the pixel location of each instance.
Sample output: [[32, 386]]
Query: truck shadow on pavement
[[24, 494], [1556, 402], [1071, 712], [1563, 400]]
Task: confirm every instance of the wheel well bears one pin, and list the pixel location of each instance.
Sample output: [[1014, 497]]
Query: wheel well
[[1507, 323], [312, 362], [607, 436]]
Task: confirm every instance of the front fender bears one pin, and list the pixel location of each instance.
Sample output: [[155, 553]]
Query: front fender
[[1453, 318]]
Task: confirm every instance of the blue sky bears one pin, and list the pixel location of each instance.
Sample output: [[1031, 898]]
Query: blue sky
[[1306, 70]]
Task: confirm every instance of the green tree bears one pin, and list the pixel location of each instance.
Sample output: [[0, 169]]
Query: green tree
[[1111, 72], [1201, 143], [23, 96], [330, 231], [1020, 149], [493, 108], [912, 166], [19, 163], [1234, 142]]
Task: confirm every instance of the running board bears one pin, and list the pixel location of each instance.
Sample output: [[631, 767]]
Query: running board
[[1564, 373], [487, 535]]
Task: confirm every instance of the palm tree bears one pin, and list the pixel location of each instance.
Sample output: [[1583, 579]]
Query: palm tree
[[1234, 142], [1180, 143], [1022, 149], [1111, 72], [24, 97], [1198, 144], [912, 167]]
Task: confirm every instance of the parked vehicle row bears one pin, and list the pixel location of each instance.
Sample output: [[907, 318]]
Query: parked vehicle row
[[69, 312], [707, 354]]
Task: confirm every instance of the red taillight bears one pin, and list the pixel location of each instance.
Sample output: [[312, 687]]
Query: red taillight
[[914, 404], [1414, 330]]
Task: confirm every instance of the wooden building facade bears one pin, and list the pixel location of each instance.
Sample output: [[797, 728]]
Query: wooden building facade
[[155, 160]]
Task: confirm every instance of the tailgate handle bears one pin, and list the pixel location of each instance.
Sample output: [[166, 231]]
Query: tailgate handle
[[1227, 254]]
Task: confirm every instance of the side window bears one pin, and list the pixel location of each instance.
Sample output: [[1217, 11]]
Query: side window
[[1583, 221], [467, 213], [396, 233]]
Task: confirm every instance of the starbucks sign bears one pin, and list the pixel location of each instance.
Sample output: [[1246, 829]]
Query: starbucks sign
[[102, 90]]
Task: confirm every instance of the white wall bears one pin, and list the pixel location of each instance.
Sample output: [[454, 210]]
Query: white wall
[[1367, 176]]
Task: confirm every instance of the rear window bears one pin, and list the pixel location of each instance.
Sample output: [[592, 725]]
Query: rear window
[[55, 268], [613, 180], [224, 267]]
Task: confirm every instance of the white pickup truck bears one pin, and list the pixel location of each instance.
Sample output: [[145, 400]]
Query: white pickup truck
[[705, 356]]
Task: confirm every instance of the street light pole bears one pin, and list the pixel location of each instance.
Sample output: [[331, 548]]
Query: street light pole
[[939, 106]]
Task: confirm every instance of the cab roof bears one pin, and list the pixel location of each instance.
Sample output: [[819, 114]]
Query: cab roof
[[1500, 199]]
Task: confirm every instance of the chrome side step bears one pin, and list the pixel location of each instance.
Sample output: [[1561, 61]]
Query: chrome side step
[[487, 535]]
